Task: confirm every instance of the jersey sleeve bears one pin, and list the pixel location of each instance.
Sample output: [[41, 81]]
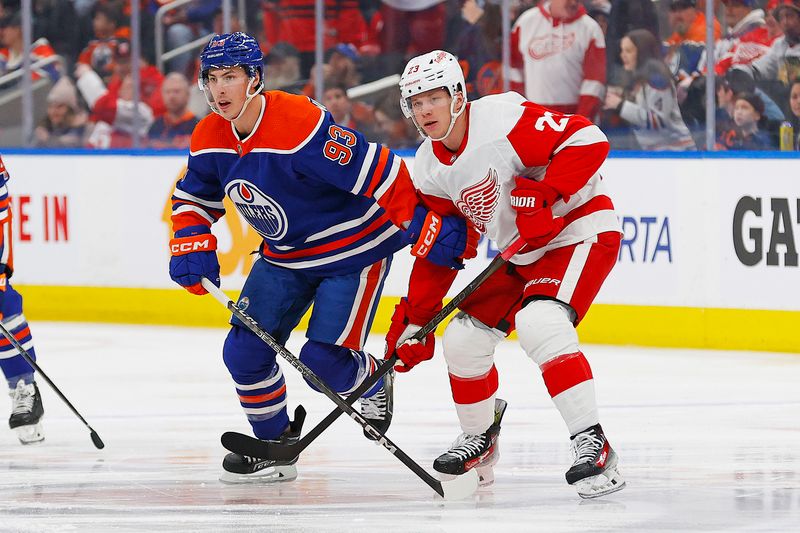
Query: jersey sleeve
[[593, 86], [197, 198], [343, 158], [570, 146], [6, 255]]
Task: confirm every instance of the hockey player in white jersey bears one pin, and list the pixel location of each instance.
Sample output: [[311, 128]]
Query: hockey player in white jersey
[[512, 169]]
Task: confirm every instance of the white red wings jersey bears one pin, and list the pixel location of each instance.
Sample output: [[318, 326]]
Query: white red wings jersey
[[560, 63], [507, 136]]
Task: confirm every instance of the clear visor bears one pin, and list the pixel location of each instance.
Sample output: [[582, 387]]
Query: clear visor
[[229, 77]]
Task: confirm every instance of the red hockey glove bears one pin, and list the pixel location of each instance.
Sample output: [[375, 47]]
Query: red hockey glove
[[406, 321], [533, 202], [194, 257]]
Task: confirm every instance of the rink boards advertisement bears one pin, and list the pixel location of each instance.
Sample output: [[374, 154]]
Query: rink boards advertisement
[[709, 255]]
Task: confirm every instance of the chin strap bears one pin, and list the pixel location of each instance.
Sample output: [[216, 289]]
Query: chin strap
[[453, 117], [247, 100]]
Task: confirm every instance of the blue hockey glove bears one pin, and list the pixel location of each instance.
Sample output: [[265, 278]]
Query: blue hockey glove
[[444, 241], [194, 257]]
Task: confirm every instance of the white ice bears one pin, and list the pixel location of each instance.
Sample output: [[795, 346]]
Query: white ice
[[708, 441]]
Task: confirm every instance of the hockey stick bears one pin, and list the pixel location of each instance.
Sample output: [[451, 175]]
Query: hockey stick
[[247, 445], [452, 490], [96, 440]]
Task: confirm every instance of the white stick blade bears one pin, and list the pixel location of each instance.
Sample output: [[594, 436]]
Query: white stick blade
[[461, 486]]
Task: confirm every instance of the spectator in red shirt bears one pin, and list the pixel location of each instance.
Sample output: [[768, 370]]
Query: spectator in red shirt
[[558, 58]]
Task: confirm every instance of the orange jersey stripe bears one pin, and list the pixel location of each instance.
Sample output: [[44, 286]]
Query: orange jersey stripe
[[353, 340], [263, 397], [19, 336], [376, 176]]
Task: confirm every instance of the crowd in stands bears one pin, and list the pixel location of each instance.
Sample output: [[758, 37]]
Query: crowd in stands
[[637, 67]]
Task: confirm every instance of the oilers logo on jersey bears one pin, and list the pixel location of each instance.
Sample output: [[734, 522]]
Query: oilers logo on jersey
[[263, 213], [479, 201]]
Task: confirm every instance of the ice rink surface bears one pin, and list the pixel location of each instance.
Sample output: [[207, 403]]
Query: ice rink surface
[[708, 441]]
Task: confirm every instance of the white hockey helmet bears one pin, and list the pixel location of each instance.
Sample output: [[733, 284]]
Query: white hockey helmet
[[434, 70]]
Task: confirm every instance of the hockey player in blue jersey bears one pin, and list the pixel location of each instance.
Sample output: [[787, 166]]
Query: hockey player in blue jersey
[[331, 207], [26, 402]]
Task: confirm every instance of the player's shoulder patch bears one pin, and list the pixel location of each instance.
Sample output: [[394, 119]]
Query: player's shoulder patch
[[211, 132], [289, 121]]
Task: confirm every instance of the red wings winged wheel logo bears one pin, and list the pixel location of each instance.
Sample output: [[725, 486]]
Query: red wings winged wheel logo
[[479, 201]]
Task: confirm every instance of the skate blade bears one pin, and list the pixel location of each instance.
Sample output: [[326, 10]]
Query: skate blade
[[30, 434], [600, 485], [460, 487], [485, 476], [276, 474]]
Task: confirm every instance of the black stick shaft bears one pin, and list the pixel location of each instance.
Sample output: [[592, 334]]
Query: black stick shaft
[[307, 373], [7, 334], [387, 365]]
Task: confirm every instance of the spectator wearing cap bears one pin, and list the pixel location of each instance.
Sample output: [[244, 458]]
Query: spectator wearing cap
[[282, 70], [736, 81], [174, 128], [649, 102], [65, 122], [781, 63], [13, 48], [745, 134], [340, 68], [558, 58]]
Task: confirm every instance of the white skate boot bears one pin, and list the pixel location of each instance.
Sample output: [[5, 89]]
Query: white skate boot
[[26, 412]]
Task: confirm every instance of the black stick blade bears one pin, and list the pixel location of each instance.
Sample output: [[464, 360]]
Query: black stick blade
[[98, 442]]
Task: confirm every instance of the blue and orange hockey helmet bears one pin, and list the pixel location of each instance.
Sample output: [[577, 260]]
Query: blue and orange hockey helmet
[[232, 50]]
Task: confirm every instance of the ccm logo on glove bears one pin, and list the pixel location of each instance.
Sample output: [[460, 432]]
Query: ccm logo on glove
[[432, 226], [187, 245]]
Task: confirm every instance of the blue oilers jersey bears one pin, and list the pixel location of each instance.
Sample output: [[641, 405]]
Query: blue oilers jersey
[[323, 198]]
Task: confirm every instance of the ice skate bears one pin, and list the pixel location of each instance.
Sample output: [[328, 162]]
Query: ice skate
[[594, 471], [475, 451], [26, 412], [239, 468], [377, 409]]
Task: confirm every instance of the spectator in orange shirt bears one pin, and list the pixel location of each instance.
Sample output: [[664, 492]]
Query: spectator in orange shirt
[[689, 23]]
